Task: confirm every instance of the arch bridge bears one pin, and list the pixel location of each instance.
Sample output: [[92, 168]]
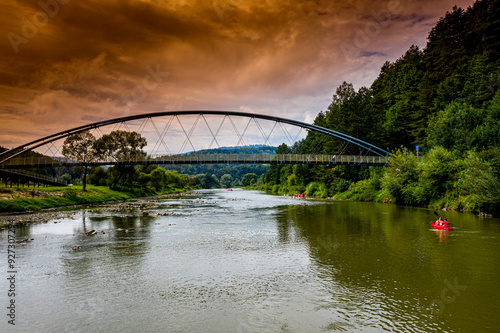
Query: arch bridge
[[187, 137]]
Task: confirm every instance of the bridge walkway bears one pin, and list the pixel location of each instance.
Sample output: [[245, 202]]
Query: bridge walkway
[[195, 158]]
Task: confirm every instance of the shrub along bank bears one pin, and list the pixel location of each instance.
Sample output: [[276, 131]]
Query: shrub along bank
[[440, 179]]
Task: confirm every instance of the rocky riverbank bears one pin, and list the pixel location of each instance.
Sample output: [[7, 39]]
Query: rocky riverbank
[[67, 211]]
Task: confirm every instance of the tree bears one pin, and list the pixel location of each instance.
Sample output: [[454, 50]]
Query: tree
[[80, 147], [226, 180], [66, 177], [97, 176], [401, 178], [249, 179], [454, 128], [437, 172], [158, 178], [210, 181], [121, 146], [478, 185]]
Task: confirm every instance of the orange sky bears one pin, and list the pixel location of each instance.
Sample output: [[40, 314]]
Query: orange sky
[[66, 63]]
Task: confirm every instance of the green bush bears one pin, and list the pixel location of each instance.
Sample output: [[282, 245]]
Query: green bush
[[341, 186], [317, 189], [437, 172], [401, 178], [477, 185]]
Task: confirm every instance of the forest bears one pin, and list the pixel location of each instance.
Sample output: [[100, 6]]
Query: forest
[[443, 99]]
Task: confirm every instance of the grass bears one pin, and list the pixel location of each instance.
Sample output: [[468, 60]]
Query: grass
[[52, 197]]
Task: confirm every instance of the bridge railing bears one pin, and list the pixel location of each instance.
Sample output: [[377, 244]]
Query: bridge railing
[[195, 158]]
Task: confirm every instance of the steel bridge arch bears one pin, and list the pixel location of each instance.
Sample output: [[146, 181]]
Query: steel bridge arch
[[14, 152]]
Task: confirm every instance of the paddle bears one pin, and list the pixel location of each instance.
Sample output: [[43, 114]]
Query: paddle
[[440, 216], [435, 213]]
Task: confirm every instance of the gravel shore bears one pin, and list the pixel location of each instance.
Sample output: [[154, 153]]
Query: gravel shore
[[62, 212]]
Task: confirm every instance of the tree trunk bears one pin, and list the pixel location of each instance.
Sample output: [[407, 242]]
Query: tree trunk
[[115, 183], [85, 178]]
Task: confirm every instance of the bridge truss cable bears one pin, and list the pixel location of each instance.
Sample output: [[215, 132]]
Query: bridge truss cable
[[15, 152]]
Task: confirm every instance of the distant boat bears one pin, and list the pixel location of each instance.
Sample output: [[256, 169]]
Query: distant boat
[[299, 196]]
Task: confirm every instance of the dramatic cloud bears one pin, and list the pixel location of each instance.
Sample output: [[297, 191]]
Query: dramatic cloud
[[66, 63]]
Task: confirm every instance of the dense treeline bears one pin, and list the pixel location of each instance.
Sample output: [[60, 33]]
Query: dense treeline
[[118, 145], [236, 172], [443, 99], [173, 177]]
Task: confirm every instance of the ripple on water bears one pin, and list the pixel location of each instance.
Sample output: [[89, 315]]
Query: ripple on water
[[242, 261]]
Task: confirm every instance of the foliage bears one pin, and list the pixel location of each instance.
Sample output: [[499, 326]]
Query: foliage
[[97, 176], [209, 181], [401, 178], [363, 190], [249, 179], [457, 127], [80, 147], [157, 178], [236, 171], [443, 98], [478, 185], [226, 180], [436, 175], [341, 186], [317, 189], [121, 146]]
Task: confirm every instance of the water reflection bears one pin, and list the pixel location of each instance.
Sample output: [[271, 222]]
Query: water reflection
[[245, 261], [442, 235], [391, 265]]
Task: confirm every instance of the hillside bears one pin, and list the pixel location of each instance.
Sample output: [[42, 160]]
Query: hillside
[[444, 99], [236, 171]]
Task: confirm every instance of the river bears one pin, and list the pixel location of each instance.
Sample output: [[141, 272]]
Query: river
[[244, 261]]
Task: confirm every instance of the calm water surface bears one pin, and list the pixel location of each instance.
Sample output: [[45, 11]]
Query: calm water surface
[[243, 261]]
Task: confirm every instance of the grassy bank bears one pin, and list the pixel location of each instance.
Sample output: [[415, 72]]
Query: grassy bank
[[22, 200]]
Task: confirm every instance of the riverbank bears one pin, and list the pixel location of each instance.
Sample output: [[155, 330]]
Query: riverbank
[[369, 190], [26, 200], [30, 217]]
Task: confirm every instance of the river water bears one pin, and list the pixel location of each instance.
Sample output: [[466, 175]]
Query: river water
[[244, 261]]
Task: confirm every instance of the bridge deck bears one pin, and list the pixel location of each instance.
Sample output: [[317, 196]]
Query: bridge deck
[[194, 158]]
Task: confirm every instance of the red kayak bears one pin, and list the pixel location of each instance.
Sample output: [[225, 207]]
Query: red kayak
[[440, 227]]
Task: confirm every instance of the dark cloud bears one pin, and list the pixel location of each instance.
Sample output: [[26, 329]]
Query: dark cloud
[[94, 59], [372, 54]]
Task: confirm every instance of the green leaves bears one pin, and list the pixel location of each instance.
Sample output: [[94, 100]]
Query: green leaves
[[120, 145], [79, 147], [437, 172], [456, 127], [249, 179], [401, 178], [478, 183]]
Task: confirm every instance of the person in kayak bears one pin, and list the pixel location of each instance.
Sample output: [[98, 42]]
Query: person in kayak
[[438, 221]]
